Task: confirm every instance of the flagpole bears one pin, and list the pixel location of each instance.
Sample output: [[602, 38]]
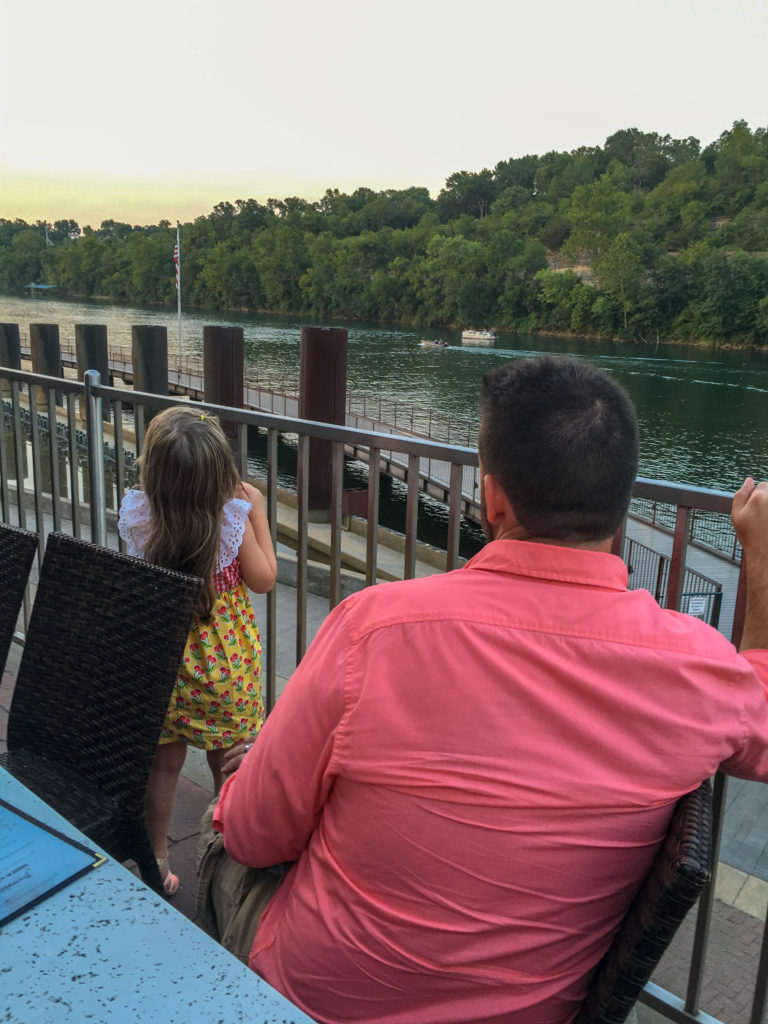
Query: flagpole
[[178, 290]]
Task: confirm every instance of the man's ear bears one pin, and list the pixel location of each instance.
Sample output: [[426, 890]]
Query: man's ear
[[497, 505], [499, 513]]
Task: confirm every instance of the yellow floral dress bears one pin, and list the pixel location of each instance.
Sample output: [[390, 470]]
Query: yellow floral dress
[[216, 699]]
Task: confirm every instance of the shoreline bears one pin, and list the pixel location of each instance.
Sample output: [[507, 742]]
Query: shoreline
[[731, 346]]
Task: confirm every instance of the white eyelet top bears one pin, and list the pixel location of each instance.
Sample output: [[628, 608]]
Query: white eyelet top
[[134, 521]]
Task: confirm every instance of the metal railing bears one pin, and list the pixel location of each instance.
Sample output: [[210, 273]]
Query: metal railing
[[711, 531], [701, 596], [73, 476], [62, 473]]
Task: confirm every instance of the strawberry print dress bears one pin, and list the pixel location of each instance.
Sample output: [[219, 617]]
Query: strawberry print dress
[[216, 698]]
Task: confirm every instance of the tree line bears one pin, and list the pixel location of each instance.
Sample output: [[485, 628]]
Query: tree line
[[646, 237]]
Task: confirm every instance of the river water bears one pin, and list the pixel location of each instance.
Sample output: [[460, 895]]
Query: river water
[[703, 412]]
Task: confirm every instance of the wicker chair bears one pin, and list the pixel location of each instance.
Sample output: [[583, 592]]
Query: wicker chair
[[17, 549], [104, 642], [677, 876]]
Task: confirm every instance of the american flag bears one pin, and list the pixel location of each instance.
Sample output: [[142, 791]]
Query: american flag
[[176, 263]]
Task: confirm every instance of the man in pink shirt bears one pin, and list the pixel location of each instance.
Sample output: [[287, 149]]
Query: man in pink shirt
[[471, 773]]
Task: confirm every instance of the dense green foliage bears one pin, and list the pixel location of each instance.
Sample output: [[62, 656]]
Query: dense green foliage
[[643, 237]]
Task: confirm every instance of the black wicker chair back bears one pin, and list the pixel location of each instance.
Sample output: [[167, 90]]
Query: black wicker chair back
[[105, 639], [17, 549], [678, 874]]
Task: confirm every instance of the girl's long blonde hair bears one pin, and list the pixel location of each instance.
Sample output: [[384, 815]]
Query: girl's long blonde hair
[[187, 471]]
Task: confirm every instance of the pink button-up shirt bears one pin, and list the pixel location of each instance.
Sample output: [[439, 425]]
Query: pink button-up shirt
[[473, 772]]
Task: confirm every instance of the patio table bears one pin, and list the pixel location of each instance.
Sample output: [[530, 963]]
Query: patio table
[[105, 948]]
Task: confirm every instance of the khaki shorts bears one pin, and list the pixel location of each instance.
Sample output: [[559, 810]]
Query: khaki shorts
[[230, 897]]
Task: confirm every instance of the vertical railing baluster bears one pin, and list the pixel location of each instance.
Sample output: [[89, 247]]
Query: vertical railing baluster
[[677, 562], [139, 415], [302, 546], [271, 633], [242, 450], [411, 518], [120, 481], [454, 518], [53, 451], [372, 536], [74, 466], [34, 433], [5, 500], [96, 482], [337, 488]]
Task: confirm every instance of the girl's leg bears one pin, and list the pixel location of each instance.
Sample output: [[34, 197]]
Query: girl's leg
[[161, 789], [215, 761]]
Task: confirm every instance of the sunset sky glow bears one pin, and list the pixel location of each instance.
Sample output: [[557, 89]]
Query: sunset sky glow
[[161, 109]]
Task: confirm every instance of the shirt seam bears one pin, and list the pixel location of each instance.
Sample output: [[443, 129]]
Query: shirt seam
[[336, 760], [465, 619]]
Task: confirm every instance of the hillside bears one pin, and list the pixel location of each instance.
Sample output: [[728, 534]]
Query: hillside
[[643, 237]]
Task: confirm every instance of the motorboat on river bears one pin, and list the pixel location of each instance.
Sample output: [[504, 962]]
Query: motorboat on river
[[427, 343], [473, 337]]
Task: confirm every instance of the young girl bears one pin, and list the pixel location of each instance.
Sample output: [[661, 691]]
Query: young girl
[[194, 514]]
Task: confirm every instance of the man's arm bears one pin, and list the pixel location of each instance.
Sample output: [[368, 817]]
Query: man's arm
[[270, 806], [750, 521]]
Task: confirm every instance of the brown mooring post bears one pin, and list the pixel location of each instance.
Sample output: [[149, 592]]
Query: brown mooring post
[[10, 356], [46, 354], [223, 356], [91, 353], [322, 397], [10, 351], [10, 346], [149, 354]]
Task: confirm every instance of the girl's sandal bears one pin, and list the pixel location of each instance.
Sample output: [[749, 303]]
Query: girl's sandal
[[170, 881]]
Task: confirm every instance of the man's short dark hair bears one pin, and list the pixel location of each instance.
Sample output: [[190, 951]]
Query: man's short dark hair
[[560, 436]]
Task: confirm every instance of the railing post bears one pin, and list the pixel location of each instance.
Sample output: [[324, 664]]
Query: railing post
[[96, 484], [676, 577], [740, 607]]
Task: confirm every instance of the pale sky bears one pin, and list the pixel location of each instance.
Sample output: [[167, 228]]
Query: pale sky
[[161, 108]]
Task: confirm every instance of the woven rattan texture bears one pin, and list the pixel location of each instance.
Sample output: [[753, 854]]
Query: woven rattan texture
[[17, 549], [677, 876], [105, 639]]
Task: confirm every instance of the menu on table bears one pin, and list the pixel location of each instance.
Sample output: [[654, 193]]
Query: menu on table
[[35, 861]]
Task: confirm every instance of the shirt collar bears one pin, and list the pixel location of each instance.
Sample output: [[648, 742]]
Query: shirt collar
[[552, 562]]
